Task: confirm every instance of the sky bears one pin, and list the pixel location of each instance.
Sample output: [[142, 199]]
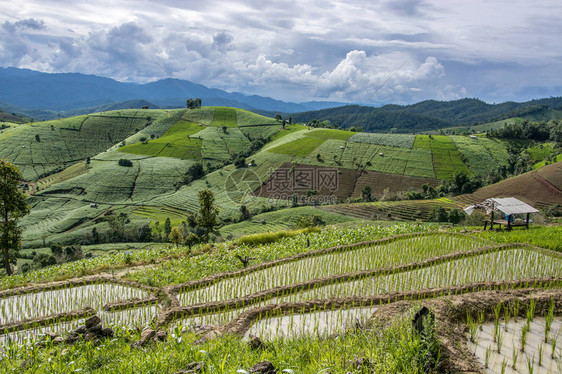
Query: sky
[[361, 51]]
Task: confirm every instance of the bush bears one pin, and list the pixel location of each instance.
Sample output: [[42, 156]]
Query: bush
[[125, 162], [270, 237], [310, 221]]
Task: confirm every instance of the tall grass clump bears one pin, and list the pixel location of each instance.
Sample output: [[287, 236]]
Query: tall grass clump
[[270, 237]]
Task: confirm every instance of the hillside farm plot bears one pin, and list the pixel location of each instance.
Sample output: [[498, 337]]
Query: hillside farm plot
[[541, 151], [203, 115], [289, 129], [221, 145], [30, 306], [160, 213], [178, 142], [245, 118], [391, 140], [159, 121], [329, 180], [44, 147], [445, 157], [310, 141], [260, 131], [482, 154], [107, 182], [70, 172], [280, 220], [370, 257], [225, 117], [407, 210], [56, 215]]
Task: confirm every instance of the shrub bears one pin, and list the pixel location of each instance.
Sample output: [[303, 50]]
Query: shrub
[[310, 221], [270, 237], [125, 162]]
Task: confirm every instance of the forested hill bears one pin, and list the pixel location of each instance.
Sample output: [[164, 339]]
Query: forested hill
[[432, 114]]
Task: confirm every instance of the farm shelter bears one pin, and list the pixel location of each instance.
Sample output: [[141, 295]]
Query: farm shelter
[[509, 206]]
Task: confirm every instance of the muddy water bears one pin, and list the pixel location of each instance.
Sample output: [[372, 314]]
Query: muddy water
[[510, 345]]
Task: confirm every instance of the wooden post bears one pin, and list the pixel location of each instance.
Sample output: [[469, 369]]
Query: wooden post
[[527, 220], [492, 220]]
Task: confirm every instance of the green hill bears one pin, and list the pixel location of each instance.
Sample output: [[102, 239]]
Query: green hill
[[284, 167], [433, 115]]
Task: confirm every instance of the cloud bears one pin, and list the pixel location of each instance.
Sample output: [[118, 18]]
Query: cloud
[[408, 8], [222, 41], [351, 50], [30, 23]]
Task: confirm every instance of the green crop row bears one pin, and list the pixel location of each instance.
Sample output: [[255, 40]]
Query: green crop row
[[392, 140]]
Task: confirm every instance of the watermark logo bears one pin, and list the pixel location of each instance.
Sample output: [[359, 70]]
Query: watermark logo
[[303, 179], [240, 185], [303, 185]]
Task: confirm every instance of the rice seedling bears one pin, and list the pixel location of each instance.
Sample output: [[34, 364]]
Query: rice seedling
[[531, 364], [516, 310], [472, 327], [504, 365], [524, 332], [531, 310], [488, 354], [549, 319], [499, 341], [36, 305], [502, 265], [514, 356], [368, 257]]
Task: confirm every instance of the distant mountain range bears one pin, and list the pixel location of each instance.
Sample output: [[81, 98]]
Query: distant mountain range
[[432, 114], [44, 95]]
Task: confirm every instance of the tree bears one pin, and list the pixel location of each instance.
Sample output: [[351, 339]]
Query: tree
[[366, 193], [175, 235], [208, 212], [455, 216], [191, 239], [193, 103], [167, 227], [310, 221], [244, 213], [13, 205]]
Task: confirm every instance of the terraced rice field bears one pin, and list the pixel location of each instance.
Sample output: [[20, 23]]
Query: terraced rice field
[[403, 251], [31, 306], [364, 272], [309, 324], [316, 293]]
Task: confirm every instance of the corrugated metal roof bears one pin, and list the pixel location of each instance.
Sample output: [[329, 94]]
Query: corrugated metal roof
[[511, 205], [507, 205]]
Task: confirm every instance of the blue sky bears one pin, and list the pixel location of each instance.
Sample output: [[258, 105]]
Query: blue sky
[[393, 51]]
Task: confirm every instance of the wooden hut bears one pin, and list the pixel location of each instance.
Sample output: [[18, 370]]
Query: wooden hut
[[507, 207]]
